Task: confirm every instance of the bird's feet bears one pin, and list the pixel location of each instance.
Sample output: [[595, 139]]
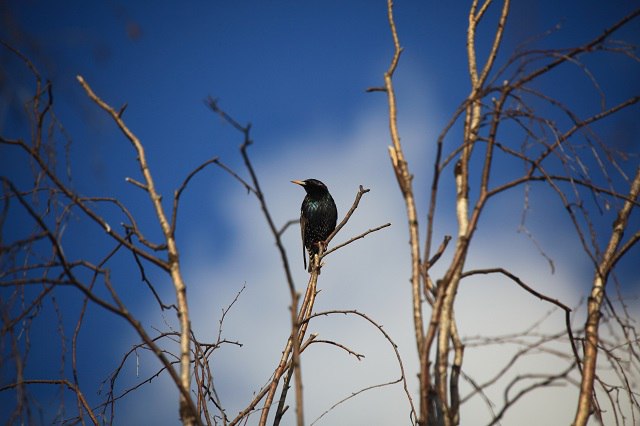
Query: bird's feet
[[312, 262]]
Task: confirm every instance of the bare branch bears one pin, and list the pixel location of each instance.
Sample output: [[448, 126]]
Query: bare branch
[[183, 186], [66, 383], [539, 295], [357, 237], [595, 303], [188, 412], [413, 414]]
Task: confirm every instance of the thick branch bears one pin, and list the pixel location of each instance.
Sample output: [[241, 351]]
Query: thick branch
[[187, 413], [596, 298]]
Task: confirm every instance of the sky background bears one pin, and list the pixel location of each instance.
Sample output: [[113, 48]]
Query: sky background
[[297, 71]]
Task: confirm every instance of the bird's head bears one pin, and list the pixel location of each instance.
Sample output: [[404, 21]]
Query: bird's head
[[312, 186]]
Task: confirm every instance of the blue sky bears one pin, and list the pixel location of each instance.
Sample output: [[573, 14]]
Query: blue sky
[[298, 72]]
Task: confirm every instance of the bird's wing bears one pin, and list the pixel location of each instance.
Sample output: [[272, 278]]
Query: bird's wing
[[303, 225]]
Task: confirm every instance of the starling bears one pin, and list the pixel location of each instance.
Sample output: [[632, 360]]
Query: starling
[[318, 216]]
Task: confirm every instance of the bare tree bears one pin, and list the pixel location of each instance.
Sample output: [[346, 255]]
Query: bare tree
[[506, 122], [37, 259], [551, 154], [50, 215]]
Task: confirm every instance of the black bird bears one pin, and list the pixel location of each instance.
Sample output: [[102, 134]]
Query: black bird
[[318, 216]]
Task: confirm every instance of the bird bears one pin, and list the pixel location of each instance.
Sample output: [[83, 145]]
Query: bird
[[318, 217]]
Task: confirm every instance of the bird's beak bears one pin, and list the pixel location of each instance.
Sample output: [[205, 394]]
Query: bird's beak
[[298, 182]]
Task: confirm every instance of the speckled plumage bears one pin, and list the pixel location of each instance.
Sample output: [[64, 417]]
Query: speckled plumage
[[318, 216]]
